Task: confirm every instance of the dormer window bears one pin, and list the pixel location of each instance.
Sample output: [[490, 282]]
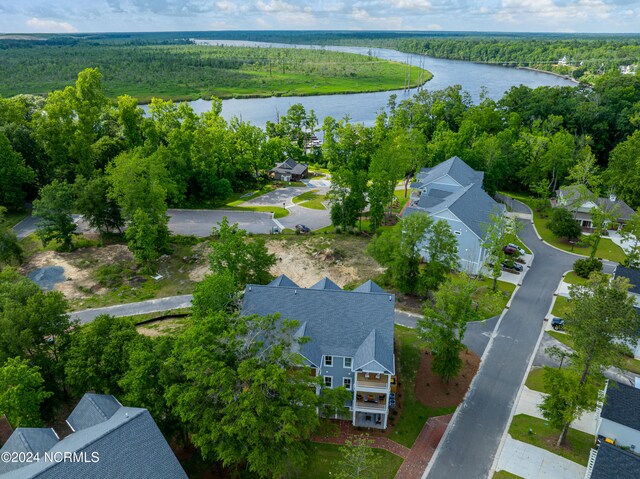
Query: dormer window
[[328, 360]]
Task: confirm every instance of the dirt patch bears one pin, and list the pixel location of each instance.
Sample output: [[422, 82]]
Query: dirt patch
[[201, 269], [341, 259], [78, 267], [161, 327], [432, 392]]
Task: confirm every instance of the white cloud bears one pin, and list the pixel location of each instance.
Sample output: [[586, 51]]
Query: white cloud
[[434, 26], [549, 12], [275, 6], [411, 4], [50, 26]]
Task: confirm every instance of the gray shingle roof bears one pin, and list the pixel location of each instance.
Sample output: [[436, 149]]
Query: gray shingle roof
[[129, 446], [623, 210], [454, 167], [622, 405], [337, 322], [283, 280], [91, 410], [615, 463], [290, 167], [474, 208], [632, 274], [29, 440], [326, 283], [369, 287]]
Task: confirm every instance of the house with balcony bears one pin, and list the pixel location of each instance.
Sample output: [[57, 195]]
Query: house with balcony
[[350, 338], [452, 191]]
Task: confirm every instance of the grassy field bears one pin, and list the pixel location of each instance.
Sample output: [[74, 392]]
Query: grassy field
[[607, 249], [189, 72], [544, 436], [324, 461], [311, 199], [572, 278], [414, 414], [535, 380], [561, 307]]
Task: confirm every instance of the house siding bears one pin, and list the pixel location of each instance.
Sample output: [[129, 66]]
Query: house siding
[[337, 371], [623, 435]]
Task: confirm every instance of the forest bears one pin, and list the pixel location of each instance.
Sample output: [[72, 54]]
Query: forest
[[180, 70]]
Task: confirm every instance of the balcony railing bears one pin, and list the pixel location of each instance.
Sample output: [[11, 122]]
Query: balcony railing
[[372, 381], [372, 404]]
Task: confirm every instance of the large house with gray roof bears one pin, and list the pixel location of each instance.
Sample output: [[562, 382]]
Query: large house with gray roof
[[581, 202], [350, 338], [108, 441], [452, 191]]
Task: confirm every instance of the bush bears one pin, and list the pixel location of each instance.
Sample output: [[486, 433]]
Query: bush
[[110, 275], [584, 267], [563, 225]]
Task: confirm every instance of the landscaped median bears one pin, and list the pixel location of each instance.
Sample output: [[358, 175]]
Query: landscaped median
[[311, 199]]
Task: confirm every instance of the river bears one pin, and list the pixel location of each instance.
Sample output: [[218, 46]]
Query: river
[[364, 107]]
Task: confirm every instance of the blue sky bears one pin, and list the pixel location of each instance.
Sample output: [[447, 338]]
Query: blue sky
[[26, 16]]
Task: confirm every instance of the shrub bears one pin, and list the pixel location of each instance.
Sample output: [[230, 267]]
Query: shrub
[[584, 267], [563, 225], [110, 275]]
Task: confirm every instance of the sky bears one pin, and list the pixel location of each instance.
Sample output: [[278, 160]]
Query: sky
[[69, 16]]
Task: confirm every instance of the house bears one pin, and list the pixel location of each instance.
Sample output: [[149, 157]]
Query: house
[[289, 170], [580, 201], [633, 275], [350, 338], [628, 69], [563, 61], [618, 420], [108, 441], [611, 462], [452, 191]]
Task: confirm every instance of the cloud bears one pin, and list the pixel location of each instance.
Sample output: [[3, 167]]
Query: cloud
[[524, 11], [276, 6], [50, 26], [411, 4]]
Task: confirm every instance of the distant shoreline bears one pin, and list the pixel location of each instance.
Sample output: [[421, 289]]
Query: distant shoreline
[[550, 73]]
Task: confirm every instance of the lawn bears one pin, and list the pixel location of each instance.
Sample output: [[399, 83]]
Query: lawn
[[399, 195], [311, 199], [539, 433], [414, 414], [324, 461], [535, 380], [489, 309], [561, 307], [505, 475], [573, 278], [278, 211], [607, 249]]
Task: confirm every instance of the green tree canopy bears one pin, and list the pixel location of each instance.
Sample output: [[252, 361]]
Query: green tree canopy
[[53, 209], [21, 393]]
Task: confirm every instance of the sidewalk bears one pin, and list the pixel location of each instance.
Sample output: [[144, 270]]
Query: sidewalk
[[530, 462], [528, 404]]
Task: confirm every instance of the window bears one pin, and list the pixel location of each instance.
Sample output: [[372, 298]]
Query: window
[[328, 381], [328, 360], [346, 382], [347, 363]]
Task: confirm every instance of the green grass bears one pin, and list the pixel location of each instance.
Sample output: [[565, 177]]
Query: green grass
[[238, 198], [414, 414], [561, 307], [572, 278], [544, 436], [489, 309], [324, 461], [607, 249], [505, 475], [535, 380], [399, 195], [278, 211], [311, 199]]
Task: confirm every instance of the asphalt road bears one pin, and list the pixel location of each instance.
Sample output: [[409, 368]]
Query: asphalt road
[[470, 446], [201, 222]]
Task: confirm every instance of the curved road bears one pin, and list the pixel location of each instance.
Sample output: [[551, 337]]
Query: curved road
[[471, 443]]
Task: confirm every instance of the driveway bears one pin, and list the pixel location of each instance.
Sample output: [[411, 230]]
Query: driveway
[[471, 443], [201, 222]]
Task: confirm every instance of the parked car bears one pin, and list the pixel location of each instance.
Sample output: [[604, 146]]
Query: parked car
[[516, 247], [275, 230], [302, 229], [557, 323], [513, 266], [509, 250]]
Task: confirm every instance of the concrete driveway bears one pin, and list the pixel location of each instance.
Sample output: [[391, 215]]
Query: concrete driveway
[[201, 222]]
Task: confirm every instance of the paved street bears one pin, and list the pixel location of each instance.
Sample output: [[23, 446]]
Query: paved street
[[201, 222], [131, 309], [470, 446]]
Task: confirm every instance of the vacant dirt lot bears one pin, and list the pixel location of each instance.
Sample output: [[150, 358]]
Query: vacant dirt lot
[[306, 260]]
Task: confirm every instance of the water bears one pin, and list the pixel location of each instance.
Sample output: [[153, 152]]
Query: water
[[364, 107], [47, 277]]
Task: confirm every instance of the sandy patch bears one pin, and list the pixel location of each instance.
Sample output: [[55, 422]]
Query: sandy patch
[[308, 262], [201, 268], [78, 267], [161, 327]]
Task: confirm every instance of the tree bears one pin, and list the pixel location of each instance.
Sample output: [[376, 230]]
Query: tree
[[54, 210], [442, 252], [14, 174], [494, 241], [600, 219], [142, 236], [563, 225], [215, 293], [445, 323], [10, 248], [623, 171], [247, 261], [95, 205], [255, 402], [21, 393], [98, 356], [359, 460], [631, 236], [566, 399]]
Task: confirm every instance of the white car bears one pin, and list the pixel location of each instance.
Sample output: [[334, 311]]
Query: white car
[[516, 247]]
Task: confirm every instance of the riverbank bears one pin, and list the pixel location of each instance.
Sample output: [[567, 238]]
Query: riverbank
[[566, 77]]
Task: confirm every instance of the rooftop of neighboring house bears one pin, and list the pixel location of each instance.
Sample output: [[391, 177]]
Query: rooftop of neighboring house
[[290, 166], [580, 198], [125, 440], [632, 274], [465, 198], [613, 462], [622, 405], [356, 324]]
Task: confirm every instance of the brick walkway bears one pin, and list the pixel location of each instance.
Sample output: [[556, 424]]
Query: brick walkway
[[416, 459], [415, 464]]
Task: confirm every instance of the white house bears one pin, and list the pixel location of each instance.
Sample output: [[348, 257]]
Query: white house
[[452, 191]]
